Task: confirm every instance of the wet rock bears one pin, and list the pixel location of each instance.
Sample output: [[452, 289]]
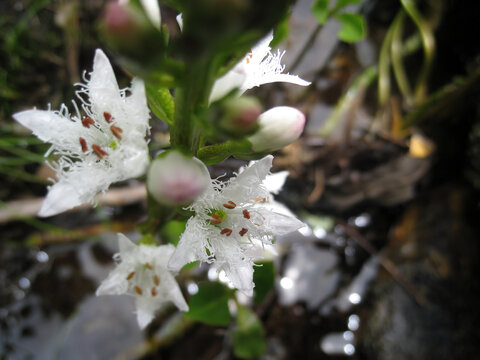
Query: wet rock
[[435, 248]]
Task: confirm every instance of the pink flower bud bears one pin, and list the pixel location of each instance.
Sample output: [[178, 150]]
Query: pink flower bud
[[175, 179], [239, 116], [279, 127]]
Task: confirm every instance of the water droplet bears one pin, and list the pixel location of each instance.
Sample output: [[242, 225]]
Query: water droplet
[[349, 349], [24, 283], [355, 298], [42, 257], [362, 220], [353, 322], [192, 288], [286, 283]]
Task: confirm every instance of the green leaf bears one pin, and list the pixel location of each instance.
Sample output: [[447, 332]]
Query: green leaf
[[210, 304], [343, 3], [172, 231], [320, 11], [353, 27], [248, 338], [264, 279], [161, 103]]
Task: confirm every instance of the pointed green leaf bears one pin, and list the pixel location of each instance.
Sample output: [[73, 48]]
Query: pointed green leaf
[[343, 3], [320, 11], [264, 279], [210, 304], [161, 103], [353, 27], [248, 338]]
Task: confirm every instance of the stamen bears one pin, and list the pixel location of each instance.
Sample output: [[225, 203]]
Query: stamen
[[98, 151], [86, 121], [216, 219], [83, 143], [246, 214], [116, 131], [154, 291], [148, 266], [156, 280], [108, 117], [130, 275], [138, 290], [262, 200], [226, 232], [243, 231], [230, 205], [249, 57]]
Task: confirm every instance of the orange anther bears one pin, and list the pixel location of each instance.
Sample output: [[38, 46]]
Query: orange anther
[[230, 205], [86, 121], [246, 214], [116, 131], [99, 151], [83, 143], [249, 57], [226, 231], [108, 117], [148, 266], [138, 290], [154, 291], [216, 219], [243, 231], [156, 280], [130, 275], [262, 200]]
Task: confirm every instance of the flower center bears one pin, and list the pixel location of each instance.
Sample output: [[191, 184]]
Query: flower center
[[144, 280], [97, 150]]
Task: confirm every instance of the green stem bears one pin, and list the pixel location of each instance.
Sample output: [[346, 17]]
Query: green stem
[[397, 57], [191, 103], [428, 42]]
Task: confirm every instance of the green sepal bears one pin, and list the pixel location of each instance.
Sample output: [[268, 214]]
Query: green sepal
[[148, 239]]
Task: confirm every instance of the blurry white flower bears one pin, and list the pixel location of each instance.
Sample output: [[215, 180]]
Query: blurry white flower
[[175, 179], [152, 10], [260, 66], [142, 272], [104, 146], [279, 127], [231, 220]]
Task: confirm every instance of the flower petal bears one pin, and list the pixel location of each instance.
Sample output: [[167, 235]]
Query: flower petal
[[274, 182], [233, 79], [114, 284], [103, 87], [279, 224], [146, 308], [153, 12], [241, 276], [126, 246], [51, 127], [78, 186], [190, 247]]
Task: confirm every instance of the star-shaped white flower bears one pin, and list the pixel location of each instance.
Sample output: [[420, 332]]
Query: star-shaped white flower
[[230, 219], [105, 145], [142, 272], [260, 66]]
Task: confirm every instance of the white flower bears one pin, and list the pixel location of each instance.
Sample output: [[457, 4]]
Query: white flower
[[260, 66], [142, 272], [104, 146], [230, 218]]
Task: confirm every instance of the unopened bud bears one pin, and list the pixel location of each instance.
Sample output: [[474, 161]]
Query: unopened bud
[[239, 116], [279, 127], [175, 179], [132, 30]]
